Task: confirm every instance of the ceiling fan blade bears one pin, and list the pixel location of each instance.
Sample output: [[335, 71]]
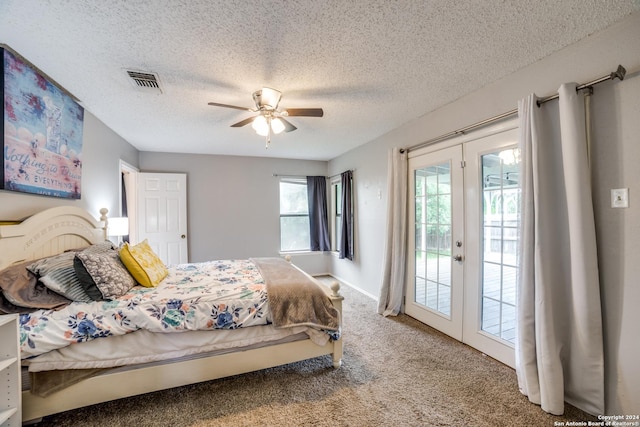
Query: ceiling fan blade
[[243, 122], [215, 104], [305, 112], [288, 127]]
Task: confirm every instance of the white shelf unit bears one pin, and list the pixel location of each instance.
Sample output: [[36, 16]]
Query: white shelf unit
[[10, 393]]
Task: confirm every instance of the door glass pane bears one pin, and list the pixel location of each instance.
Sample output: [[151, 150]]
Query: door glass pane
[[500, 217], [433, 238], [421, 291]]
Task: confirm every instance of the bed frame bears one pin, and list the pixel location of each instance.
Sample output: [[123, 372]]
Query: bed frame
[[55, 230]]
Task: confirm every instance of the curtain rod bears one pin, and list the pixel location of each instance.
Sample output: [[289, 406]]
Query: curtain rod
[[289, 176], [619, 73], [338, 174], [304, 176]]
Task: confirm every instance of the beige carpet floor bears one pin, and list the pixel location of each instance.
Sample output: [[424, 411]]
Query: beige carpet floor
[[396, 372]]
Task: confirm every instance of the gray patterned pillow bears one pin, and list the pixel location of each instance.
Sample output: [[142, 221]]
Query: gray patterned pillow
[[87, 281], [107, 272], [57, 273]]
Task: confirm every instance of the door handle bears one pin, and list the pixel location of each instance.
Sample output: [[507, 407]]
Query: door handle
[[457, 258], [183, 236]]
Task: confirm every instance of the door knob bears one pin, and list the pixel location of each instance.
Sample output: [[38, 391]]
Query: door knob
[[457, 258], [183, 236]]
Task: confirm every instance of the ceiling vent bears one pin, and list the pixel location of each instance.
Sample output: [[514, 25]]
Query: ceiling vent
[[145, 80]]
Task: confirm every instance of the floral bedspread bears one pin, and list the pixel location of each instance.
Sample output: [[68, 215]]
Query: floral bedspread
[[200, 296]]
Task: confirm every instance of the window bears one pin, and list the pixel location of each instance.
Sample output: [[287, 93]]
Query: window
[[294, 215], [336, 213]]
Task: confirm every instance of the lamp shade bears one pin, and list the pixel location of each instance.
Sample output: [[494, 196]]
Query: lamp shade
[[118, 226]]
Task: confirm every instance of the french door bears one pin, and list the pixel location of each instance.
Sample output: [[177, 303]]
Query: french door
[[434, 293], [463, 262]]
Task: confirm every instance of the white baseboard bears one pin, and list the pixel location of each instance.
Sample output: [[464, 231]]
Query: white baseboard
[[352, 286]]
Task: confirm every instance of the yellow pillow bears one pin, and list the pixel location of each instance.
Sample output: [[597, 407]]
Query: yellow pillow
[[143, 264]]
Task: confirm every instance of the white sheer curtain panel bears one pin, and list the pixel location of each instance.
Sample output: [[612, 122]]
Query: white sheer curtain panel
[[395, 248], [559, 343]]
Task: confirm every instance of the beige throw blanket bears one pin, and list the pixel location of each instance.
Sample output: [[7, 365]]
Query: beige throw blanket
[[295, 299]]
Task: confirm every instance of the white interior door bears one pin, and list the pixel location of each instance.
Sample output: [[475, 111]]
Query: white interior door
[[162, 214], [434, 289]]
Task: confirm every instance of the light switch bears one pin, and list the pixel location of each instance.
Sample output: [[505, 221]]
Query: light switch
[[620, 198]]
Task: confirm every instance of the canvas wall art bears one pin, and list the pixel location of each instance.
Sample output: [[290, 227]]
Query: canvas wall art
[[42, 133]]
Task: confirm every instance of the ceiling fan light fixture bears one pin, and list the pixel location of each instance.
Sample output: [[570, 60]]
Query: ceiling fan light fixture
[[277, 126], [260, 125], [270, 120]]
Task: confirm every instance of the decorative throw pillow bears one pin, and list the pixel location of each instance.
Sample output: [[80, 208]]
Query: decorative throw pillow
[[143, 264], [84, 276], [87, 282], [57, 273], [104, 271], [21, 288]]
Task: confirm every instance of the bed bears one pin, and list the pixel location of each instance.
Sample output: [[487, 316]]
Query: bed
[[57, 230]]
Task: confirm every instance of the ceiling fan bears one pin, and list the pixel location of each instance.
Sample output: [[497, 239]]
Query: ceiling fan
[[270, 119]]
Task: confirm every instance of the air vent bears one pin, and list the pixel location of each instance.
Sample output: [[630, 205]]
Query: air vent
[[144, 80]]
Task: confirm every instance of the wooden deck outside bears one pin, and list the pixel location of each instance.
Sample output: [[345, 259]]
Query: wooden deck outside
[[433, 290]]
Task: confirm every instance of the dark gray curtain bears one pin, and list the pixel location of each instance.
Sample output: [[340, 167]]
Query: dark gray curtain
[[346, 239], [318, 224]]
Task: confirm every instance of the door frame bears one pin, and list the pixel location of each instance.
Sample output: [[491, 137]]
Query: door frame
[[131, 182]]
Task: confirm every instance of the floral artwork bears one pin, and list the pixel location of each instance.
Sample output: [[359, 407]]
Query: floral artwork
[[42, 133]]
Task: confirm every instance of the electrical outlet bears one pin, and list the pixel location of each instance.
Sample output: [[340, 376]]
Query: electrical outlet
[[620, 198]]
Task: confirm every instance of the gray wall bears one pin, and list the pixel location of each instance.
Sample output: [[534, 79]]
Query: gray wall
[[616, 151], [102, 150], [233, 204]]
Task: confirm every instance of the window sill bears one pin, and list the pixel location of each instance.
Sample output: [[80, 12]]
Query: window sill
[[303, 253]]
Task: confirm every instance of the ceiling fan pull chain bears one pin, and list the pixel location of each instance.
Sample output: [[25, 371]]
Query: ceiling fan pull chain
[[268, 138]]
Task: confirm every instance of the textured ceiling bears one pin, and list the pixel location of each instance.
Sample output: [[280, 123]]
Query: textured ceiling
[[371, 65]]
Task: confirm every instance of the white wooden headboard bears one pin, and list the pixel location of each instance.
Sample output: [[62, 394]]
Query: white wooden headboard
[[47, 233]]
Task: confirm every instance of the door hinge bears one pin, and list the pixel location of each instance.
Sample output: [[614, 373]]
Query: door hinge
[[463, 163]]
